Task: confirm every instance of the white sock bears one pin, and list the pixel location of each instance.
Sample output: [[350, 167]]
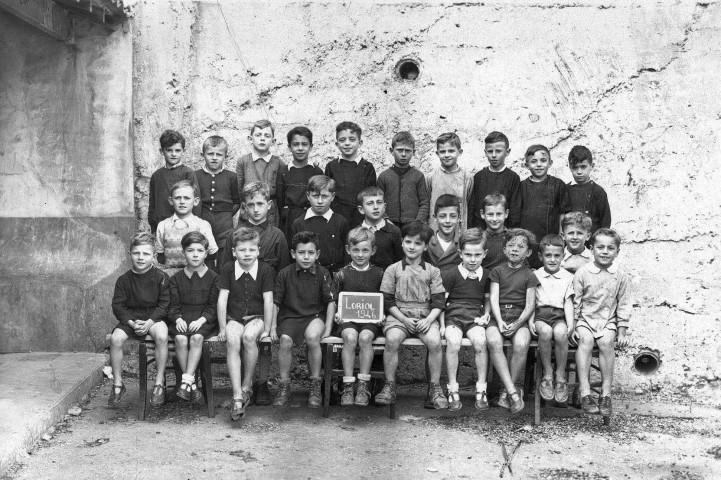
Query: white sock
[[348, 379], [366, 377], [188, 378], [480, 387], [452, 388]]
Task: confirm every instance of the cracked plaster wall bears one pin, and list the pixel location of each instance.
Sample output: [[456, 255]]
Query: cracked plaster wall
[[636, 83]]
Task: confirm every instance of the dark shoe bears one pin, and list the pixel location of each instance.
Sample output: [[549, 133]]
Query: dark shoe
[[435, 398], [283, 395], [362, 394], [481, 401], [158, 397], [454, 401], [576, 399], [604, 407], [503, 401], [315, 399], [387, 395], [184, 391], [588, 404], [546, 389], [347, 399], [560, 393], [196, 396], [237, 411], [116, 393], [262, 396], [516, 400]]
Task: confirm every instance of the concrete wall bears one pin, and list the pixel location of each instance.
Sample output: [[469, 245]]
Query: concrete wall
[[635, 83], [66, 202]]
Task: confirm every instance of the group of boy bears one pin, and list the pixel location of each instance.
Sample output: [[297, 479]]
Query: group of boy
[[465, 278]]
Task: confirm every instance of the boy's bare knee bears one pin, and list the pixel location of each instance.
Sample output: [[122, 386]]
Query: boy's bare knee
[[286, 342], [196, 340], [181, 340], [365, 338], [560, 332], [350, 336], [118, 338]]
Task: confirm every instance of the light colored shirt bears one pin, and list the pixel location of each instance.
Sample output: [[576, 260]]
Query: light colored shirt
[[253, 271], [376, 227], [412, 285], [266, 158], [602, 296], [554, 289], [572, 262], [310, 214], [465, 273], [172, 230]]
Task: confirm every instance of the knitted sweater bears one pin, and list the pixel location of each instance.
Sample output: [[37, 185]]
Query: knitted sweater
[[406, 194], [507, 183], [458, 183], [351, 178]]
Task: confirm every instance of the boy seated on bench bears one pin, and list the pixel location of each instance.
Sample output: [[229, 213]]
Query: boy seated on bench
[[413, 297]]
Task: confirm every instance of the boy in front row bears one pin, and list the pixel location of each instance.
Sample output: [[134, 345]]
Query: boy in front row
[[602, 304], [305, 300], [413, 298]]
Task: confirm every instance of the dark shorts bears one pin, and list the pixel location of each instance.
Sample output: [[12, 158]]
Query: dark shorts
[[206, 330], [509, 314], [463, 316], [550, 315], [463, 326], [295, 328], [128, 331], [243, 320], [359, 327]]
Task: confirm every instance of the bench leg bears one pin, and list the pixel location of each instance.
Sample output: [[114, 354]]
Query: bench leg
[[527, 377], [537, 396], [392, 413], [264, 358], [207, 376], [328, 377], [142, 380], [607, 421]]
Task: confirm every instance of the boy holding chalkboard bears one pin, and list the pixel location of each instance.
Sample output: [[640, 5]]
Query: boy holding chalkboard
[[359, 276]]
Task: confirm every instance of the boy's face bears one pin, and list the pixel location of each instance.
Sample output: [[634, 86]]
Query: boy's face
[[538, 164], [305, 255], [300, 147], [173, 154], [183, 200], [472, 255], [582, 172], [257, 207], [605, 251], [262, 139], [494, 216], [402, 154], [496, 154], [373, 208], [320, 201], [517, 250], [413, 247], [348, 144], [195, 255], [447, 218], [142, 257], [551, 256], [361, 253], [214, 158], [575, 237], [448, 155], [246, 253]]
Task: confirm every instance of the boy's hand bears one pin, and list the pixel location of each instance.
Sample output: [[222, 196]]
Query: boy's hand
[[264, 334], [443, 332], [410, 324], [573, 338], [195, 326], [221, 335], [511, 329], [622, 339], [337, 319], [482, 320], [145, 327], [274, 335], [326, 333], [181, 325], [532, 328], [423, 325]]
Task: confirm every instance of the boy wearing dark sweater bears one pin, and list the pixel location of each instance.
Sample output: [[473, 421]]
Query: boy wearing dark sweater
[[388, 248], [406, 193], [495, 178], [319, 218], [351, 172], [494, 213], [172, 147], [586, 195]]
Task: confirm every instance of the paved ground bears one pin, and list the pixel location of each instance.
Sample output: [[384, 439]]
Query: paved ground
[[649, 440]]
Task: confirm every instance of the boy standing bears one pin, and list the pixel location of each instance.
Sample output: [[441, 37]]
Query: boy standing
[[260, 165], [443, 248], [553, 320], [494, 213], [351, 172], [319, 218], [303, 295], [576, 232], [172, 147], [219, 199], [586, 195], [450, 178], [387, 236], [602, 305], [405, 188], [495, 178], [292, 182], [413, 298]]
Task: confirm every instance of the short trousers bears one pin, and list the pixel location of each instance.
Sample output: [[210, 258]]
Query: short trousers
[[550, 315], [295, 328], [597, 333], [244, 320], [509, 314], [462, 325], [206, 330], [415, 313], [463, 316], [359, 327], [129, 331]]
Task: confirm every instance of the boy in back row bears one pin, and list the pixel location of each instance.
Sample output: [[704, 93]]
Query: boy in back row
[[449, 178]]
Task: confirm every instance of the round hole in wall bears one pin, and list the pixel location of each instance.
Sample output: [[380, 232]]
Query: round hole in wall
[[408, 70], [647, 362]]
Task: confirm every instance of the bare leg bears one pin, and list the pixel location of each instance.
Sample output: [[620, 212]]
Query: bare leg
[[233, 340], [494, 341], [159, 332], [181, 352], [520, 340], [285, 357], [583, 360], [560, 338], [545, 347], [117, 340], [606, 359], [477, 336], [251, 334], [432, 340], [350, 340], [313, 332], [196, 351], [365, 339], [394, 338], [454, 336]]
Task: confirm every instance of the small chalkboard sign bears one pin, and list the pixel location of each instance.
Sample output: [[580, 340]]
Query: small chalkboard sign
[[360, 307]]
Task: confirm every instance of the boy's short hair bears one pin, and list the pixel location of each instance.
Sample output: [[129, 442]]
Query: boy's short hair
[[352, 127], [494, 199], [536, 148], [194, 237], [215, 141], [252, 189], [318, 183], [183, 184], [370, 192], [361, 234], [305, 237], [472, 236], [579, 154], [416, 227], [447, 200], [551, 240], [302, 131], [404, 138], [170, 137], [606, 232], [449, 137], [261, 124], [520, 232], [244, 234], [577, 219], [142, 238], [495, 137]]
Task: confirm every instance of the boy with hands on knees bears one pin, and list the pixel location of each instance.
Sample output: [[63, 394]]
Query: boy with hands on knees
[[467, 313]]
